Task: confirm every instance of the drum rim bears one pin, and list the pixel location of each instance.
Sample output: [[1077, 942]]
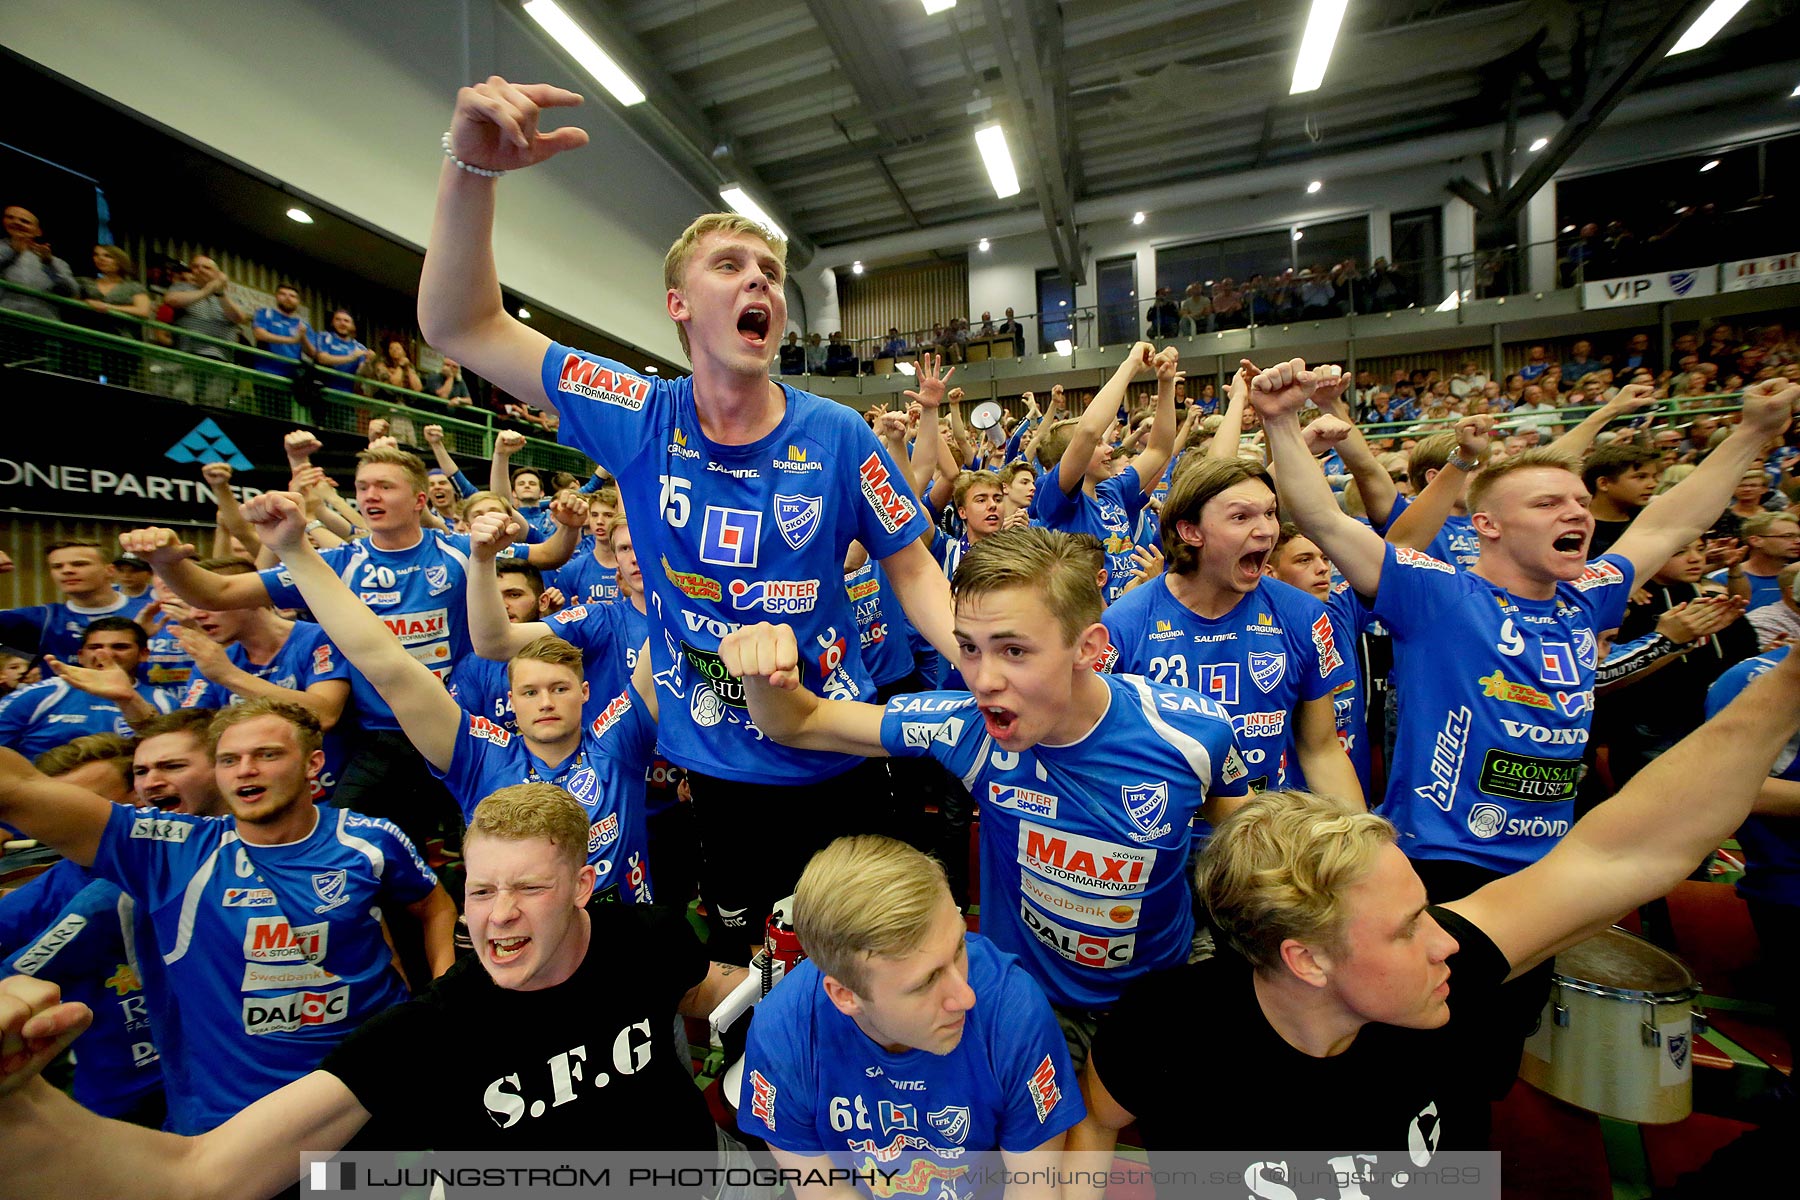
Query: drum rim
[[1684, 995]]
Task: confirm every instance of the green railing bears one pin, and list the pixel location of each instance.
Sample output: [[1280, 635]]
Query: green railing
[[1673, 410], [319, 399]]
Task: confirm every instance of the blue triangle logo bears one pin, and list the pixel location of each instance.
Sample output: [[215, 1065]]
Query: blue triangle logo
[[206, 442]]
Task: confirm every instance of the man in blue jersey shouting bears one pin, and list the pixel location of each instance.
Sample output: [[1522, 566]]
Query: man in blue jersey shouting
[[1088, 782], [744, 494], [904, 1040]]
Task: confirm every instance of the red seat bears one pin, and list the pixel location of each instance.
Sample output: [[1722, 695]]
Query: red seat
[[1549, 1150], [1686, 1146]]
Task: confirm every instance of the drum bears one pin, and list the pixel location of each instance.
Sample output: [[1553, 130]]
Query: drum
[[1617, 1034]]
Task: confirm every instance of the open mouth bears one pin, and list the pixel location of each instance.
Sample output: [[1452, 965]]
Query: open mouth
[[505, 950], [753, 325], [1574, 544], [1000, 721], [250, 793], [1251, 565]]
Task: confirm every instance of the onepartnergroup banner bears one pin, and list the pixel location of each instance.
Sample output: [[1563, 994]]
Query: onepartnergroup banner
[[1209, 1175]]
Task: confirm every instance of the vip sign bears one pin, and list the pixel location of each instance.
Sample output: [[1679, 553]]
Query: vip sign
[[1647, 289]]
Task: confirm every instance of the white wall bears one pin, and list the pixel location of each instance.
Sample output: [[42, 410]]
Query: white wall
[[345, 101]]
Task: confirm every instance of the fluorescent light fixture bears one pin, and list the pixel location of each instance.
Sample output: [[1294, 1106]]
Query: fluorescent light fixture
[[904, 367], [1312, 189], [1706, 25], [1709, 165], [934, 7], [1316, 43], [1065, 347], [744, 206], [585, 51], [1137, 218], [991, 141], [300, 215], [650, 368], [982, 245], [1539, 144], [1298, 235], [524, 313], [1795, 92], [856, 267], [1568, 229]]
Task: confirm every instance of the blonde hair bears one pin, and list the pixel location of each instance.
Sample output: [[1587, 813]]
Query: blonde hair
[[91, 748], [675, 262], [534, 810], [481, 497], [1063, 568], [866, 897], [1429, 454], [1279, 866], [1196, 482], [547, 649], [967, 481], [1482, 486], [1055, 441], [306, 726], [411, 463]]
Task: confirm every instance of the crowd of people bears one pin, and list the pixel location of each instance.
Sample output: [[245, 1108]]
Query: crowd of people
[[1247, 700]]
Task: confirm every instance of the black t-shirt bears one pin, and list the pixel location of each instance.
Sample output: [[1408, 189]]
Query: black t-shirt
[[1606, 533], [1393, 1092], [588, 1064]]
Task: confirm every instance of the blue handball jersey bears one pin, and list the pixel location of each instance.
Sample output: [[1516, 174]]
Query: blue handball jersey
[[1275, 650], [306, 658], [738, 534], [880, 623], [1110, 516], [276, 952], [609, 637], [815, 1083], [1457, 543], [1350, 619], [167, 667], [587, 580], [58, 628], [419, 593], [82, 947], [45, 715], [1496, 694], [1084, 847], [1771, 844], [606, 774]]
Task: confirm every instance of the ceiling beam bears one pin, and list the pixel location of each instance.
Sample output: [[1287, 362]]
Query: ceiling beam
[[1596, 104], [1035, 104]]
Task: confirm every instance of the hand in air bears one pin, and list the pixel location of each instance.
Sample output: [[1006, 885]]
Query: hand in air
[[495, 124]]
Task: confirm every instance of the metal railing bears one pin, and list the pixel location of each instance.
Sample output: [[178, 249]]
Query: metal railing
[[314, 397]]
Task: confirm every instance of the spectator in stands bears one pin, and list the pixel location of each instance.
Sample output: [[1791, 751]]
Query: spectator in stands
[[1196, 310], [1537, 361], [447, 384], [25, 259], [1778, 623], [281, 331], [793, 355], [1531, 412], [895, 345], [202, 304], [1318, 299], [115, 290], [1228, 305], [1722, 347], [1581, 362], [1622, 478], [1257, 299], [987, 325], [1686, 346], [1469, 379], [1637, 353], [1011, 326], [815, 354], [337, 348], [1772, 541], [1386, 287], [840, 356], [397, 370], [958, 345], [1165, 316]]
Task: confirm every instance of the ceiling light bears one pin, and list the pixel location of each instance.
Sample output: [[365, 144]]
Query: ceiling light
[[1063, 303], [1706, 25], [1316, 43], [933, 7], [904, 367], [1539, 144], [1709, 165], [856, 267], [1298, 235], [1568, 229], [585, 51], [991, 141], [1065, 347], [1795, 92], [524, 313], [300, 215], [982, 245], [1137, 218], [650, 369], [744, 206], [1451, 302], [1312, 189]]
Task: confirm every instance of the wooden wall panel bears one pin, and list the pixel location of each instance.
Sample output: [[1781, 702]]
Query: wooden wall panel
[[910, 299]]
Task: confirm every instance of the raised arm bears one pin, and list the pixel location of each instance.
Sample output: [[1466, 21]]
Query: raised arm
[[767, 659], [461, 313], [570, 511], [173, 559], [1278, 394], [1418, 526], [1580, 438], [1642, 842], [1688, 509], [1161, 444], [1097, 417], [1228, 438], [67, 818], [492, 635], [427, 714], [230, 517], [1373, 483]]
